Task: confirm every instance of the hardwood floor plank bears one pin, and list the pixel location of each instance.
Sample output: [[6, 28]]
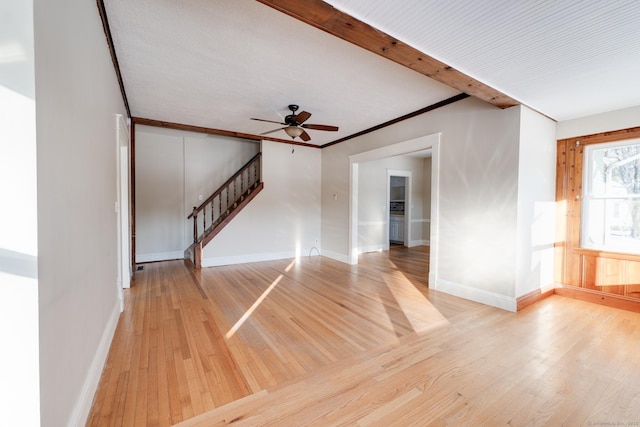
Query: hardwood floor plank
[[318, 342], [161, 397]]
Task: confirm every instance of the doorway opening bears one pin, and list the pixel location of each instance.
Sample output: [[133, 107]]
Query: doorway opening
[[399, 211], [402, 148]]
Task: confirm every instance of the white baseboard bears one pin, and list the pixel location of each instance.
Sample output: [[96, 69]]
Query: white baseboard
[[413, 243], [268, 256], [188, 253], [82, 408], [478, 295], [242, 259], [373, 248], [423, 220], [159, 256], [337, 256], [432, 279]]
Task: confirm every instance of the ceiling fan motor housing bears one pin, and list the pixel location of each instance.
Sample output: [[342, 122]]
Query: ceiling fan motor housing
[[290, 118]]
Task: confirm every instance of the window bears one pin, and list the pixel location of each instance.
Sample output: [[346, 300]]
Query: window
[[611, 198]]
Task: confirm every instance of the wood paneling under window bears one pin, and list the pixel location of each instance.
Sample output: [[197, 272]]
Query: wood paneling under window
[[605, 272]]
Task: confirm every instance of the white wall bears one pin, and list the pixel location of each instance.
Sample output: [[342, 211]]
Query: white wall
[[536, 203], [372, 213], [614, 120], [172, 169], [160, 231], [283, 220], [372, 201], [478, 203], [478, 195], [209, 162], [78, 98], [19, 361]]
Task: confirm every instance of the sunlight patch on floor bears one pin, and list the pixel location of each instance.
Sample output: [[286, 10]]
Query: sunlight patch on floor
[[418, 310], [257, 303]]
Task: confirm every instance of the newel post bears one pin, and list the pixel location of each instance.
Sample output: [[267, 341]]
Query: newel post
[[195, 224]]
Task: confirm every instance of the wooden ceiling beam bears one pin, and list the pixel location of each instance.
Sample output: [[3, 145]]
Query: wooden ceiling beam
[[213, 131], [426, 109], [329, 19]]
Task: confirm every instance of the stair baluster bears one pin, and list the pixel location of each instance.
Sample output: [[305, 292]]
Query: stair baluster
[[235, 201], [195, 224]]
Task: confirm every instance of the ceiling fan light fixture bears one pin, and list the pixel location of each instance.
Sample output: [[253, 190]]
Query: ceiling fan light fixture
[[294, 124], [293, 131]]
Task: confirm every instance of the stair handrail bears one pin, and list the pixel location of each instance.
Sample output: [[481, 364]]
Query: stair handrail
[[223, 186], [220, 190]]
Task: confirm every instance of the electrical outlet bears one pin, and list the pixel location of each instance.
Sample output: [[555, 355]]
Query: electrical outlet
[[200, 197]]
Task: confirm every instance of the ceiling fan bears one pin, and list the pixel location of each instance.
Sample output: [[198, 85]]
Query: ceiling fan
[[294, 124]]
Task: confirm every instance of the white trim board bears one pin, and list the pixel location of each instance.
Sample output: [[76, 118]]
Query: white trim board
[[82, 408], [259, 257], [159, 256], [373, 248], [336, 256], [478, 295], [417, 144], [370, 223]]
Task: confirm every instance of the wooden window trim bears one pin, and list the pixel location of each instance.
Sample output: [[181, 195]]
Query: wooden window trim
[[600, 138], [607, 254], [580, 268]]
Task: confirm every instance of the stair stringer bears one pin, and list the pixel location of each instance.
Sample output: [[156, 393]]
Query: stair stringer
[[194, 252]]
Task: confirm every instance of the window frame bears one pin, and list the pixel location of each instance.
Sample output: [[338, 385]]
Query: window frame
[[589, 195]]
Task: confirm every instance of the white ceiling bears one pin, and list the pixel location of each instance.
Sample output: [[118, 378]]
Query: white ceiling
[[564, 58], [217, 63]]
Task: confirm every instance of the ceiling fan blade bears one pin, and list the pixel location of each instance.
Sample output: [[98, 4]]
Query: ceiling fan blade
[[268, 121], [305, 136], [321, 127], [271, 131], [302, 117]]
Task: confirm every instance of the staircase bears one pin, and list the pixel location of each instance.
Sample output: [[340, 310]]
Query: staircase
[[225, 203]]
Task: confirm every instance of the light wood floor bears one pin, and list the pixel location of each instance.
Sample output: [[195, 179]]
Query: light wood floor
[[318, 342]]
